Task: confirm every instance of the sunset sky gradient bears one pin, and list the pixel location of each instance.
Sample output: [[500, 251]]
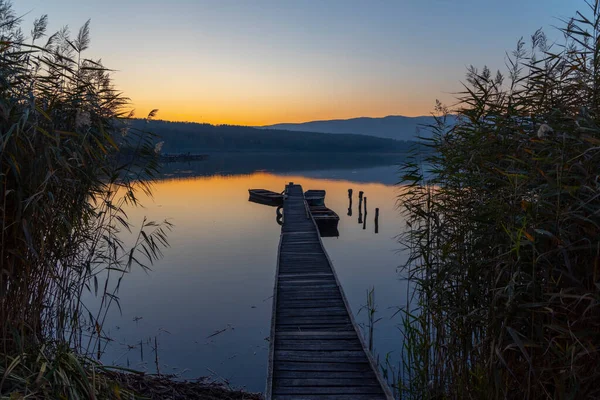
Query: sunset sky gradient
[[267, 61]]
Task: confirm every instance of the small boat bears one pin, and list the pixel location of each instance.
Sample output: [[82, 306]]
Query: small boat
[[315, 197], [327, 231], [326, 220], [266, 197]]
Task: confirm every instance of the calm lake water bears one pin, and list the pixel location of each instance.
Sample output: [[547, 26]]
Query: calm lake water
[[218, 273]]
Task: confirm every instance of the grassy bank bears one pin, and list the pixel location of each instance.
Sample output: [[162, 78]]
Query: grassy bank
[[60, 373], [505, 238]]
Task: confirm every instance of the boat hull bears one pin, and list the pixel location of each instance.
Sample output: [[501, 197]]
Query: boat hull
[[265, 197], [327, 221], [315, 198], [328, 227]]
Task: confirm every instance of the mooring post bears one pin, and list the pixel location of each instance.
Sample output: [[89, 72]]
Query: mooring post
[[365, 218], [360, 201], [349, 202], [377, 220]]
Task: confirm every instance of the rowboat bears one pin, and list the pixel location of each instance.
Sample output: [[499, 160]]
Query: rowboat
[[266, 197], [326, 220], [315, 197]]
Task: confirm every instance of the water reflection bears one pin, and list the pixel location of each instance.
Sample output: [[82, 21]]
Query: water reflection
[[218, 274], [354, 167]]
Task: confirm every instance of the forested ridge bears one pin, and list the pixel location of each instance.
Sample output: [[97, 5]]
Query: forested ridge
[[180, 137]]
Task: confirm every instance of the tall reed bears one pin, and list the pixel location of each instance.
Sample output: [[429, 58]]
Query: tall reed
[[504, 234], [69, 165]]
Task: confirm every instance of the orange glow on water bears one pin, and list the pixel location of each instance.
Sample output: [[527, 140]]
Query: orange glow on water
[[195, 199]]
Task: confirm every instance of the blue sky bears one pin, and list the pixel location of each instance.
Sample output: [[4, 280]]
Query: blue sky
[[265, 61]]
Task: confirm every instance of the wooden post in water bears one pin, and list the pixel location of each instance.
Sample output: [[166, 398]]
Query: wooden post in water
[[365, 219], [377, 220], [349, 202], [360, 201]]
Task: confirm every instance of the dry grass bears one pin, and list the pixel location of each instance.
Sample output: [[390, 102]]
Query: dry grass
[[165, 388]]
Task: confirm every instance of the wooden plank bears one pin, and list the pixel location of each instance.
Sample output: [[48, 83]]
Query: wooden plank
[[318, 345], [316, 313], [328, 397], [307, 286], [309, 312], [316, 335], [300, 253], [307, 283], [314, 327], [328, 382], [304, 268], [310, 303], [313, 320], [285, 374], [308, 292], [309, 295], [319, 366], [341, 356], [312, 340], [347, 390], [291, 294], [313, 276], [329, 288]]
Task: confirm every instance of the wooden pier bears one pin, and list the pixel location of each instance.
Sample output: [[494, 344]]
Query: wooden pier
[[316, 351]]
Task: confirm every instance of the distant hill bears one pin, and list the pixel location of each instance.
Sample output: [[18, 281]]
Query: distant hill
[[183, 137], [392, 127]]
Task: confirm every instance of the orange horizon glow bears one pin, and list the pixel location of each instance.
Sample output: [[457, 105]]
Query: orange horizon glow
[[179, 117], [269, 62], [270, 116]]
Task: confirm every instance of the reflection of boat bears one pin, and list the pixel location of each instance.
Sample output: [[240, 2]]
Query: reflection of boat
[[326, 220], [315, 197], [327, 231], [266, 197]]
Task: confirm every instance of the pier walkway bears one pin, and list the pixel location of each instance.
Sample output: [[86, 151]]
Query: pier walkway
[[316, 351]]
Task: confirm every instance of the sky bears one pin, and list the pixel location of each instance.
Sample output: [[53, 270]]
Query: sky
[[259, 62]]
